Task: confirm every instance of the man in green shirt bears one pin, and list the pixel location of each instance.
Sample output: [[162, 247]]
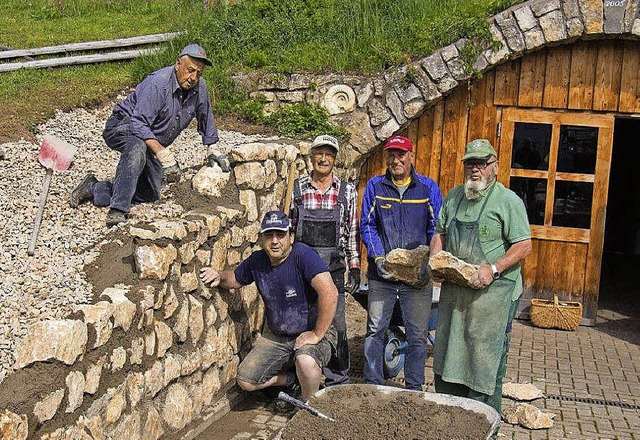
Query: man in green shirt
[[483, 223]]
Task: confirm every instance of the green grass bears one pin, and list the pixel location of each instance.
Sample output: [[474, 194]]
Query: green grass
[[356, 36]]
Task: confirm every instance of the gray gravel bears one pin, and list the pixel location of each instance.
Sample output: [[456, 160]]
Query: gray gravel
[[50, 283]]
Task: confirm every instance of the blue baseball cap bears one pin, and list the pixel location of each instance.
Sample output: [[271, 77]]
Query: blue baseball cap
[[196, 51], [275, 221]]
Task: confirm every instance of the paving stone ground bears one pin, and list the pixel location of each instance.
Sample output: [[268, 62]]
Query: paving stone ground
[[591, 380]]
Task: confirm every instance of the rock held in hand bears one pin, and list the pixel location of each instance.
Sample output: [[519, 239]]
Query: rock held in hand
[[452, 269], [408, 265]]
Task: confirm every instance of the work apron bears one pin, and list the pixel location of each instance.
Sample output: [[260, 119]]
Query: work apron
[[471, 323], [320, 229]]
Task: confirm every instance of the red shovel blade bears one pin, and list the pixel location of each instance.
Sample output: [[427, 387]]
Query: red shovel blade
[[55, 153]]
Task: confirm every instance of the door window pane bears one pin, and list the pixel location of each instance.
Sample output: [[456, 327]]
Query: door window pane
[[572, 204], [578, 149], [531, 143], [533, 193]]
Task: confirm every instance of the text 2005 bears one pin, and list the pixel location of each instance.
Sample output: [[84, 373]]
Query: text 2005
[[609, 3]]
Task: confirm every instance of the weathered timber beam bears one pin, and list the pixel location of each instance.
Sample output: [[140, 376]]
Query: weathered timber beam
[[75, 60], [91, 45]]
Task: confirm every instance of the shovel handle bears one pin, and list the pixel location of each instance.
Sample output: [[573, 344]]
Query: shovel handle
[[300, 404], [43, 199], [290, 180]]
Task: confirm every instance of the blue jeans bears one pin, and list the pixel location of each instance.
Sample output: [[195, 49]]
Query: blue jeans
[[138, 175], [415, 305]]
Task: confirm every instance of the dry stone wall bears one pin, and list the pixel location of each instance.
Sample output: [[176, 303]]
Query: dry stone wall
[[146, 360]]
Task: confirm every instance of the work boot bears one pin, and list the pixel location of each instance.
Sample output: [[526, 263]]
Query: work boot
[[82, 193], [115, 217]]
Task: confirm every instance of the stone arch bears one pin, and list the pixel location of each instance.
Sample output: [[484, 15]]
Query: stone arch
[[386, 104]]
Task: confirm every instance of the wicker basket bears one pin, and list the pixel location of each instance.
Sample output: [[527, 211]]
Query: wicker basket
[[555, 314]]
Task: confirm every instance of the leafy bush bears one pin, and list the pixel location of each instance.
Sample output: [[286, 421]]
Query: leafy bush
[[304, 120]]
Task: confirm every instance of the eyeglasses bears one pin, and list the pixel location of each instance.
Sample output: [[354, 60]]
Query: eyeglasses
[[480, 165], [322, 155]]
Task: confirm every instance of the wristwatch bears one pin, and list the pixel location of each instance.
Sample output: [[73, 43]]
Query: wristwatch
[[496, 272]]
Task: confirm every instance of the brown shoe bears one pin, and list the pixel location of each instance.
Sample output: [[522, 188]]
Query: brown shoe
[[115, 217], [82, 193]]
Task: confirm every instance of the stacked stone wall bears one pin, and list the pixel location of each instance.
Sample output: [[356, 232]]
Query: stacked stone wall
[[145, 361]]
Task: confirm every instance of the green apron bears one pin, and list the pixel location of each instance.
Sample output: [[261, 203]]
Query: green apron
[[471, 323]]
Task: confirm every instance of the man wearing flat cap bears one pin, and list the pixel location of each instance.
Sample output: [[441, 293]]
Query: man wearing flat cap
[[323, 214], [300, 301], [482, 223], [143, 126]]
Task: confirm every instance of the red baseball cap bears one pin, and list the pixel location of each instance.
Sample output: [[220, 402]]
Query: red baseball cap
[[398, 143]]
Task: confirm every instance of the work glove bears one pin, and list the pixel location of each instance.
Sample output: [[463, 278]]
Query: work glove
[[353, 281], [381, 270], [170, 168], [221, 160], [171, 174]]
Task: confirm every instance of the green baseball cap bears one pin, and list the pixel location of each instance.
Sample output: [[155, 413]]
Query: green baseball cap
[[479, 149]]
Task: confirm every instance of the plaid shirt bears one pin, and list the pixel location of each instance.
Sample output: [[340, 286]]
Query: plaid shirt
[[312, 198]]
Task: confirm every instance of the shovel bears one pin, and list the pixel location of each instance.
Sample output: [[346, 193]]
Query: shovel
[[55, 154], [300, 404]]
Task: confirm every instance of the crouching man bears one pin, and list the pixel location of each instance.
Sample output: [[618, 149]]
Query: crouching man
[[300, 302]]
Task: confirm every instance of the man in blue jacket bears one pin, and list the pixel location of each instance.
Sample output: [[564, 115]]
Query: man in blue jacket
[[399, 211]]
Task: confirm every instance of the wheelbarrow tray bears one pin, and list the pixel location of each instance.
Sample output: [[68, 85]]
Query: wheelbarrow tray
[[492, 416]]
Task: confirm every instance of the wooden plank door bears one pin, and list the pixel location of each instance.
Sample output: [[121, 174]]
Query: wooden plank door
[[559, 163]]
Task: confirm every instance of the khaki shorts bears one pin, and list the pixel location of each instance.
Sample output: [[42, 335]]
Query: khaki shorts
[[272, 354]]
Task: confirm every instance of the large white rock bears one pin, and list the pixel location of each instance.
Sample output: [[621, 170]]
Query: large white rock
[[63, 340], [75, 390], [99, 316], [196, 319], [250, 175], [135, 388], [452, 269], [521, 391], [171, 229], [154, 261], [177, 411], [92, 378], [408, 266], [153, 426], [248, 200], [164, 337], [527, 415], [153, 379], [124, 310], [210, 181], [47, 408], [127, 429]]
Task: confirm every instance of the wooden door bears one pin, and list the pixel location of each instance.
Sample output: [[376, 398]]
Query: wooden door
[[558, 163]]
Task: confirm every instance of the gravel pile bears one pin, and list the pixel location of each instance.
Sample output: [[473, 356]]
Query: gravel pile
[[49, 284]]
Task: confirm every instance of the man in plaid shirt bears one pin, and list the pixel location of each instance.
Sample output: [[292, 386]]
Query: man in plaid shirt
[[323, 212]]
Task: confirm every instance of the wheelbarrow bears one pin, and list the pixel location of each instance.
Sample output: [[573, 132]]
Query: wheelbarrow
[[396, 343], [318, 427]]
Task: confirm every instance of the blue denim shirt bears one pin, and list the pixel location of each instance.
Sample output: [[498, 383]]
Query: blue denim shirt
[[159, 111]]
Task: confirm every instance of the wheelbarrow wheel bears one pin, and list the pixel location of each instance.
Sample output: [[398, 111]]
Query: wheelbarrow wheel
[[394, 352]]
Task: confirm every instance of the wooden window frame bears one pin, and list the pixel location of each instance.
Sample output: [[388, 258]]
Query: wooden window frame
[[599, 178]]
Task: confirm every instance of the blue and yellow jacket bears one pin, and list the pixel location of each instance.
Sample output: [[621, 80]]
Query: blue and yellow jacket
[[389, 221]]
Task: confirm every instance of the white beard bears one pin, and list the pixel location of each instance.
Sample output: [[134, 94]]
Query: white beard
[[473, 188]]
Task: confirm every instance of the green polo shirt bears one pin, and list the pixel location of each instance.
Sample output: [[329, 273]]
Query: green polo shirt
[[503, 222]]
